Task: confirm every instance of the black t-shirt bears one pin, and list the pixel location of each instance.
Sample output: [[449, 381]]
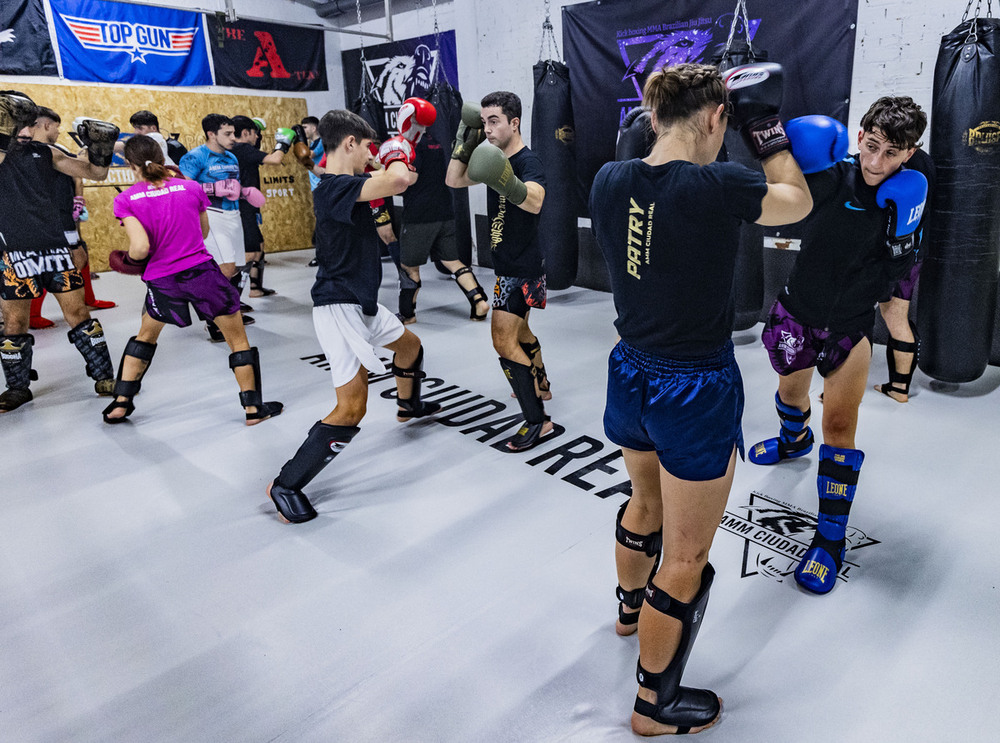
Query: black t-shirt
[[669, 234], [347, 245], [429, 200], [250, 159], [65, 193], [30, 216], [844, 267], [513, 231]]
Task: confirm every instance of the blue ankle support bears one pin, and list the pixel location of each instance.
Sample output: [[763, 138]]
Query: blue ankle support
[[787, 444], [836, 482]]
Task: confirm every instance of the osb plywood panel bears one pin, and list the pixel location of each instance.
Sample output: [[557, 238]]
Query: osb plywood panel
[[288, 216]]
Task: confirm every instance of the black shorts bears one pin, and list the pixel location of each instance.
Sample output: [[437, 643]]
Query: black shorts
[[253, 238], [422, 239], [28, 274], [517, 295]]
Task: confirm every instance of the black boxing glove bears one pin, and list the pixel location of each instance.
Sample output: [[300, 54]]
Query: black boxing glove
[[635, 135], [16, 112], [755, 92], [99, 138]]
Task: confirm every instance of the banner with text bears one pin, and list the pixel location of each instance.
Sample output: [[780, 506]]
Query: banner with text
[[130, 44], [268, 56], [613, 45]]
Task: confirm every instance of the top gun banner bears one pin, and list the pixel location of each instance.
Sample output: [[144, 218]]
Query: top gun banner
[[130, 44], [268, 56], [613, 45], [25, 48]]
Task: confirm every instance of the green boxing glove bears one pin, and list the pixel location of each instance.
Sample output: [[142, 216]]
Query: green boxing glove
[[489, 165], [283, 139], [469, 135]]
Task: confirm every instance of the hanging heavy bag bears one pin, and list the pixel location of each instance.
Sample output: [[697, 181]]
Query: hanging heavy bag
[[958, 281], [552, 136], [369, 107], [748, 280], [448, 103]]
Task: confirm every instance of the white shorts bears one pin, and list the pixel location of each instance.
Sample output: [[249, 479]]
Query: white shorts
[[225, 236], [349, 338]]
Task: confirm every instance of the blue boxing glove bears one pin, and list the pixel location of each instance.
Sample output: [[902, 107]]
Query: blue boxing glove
[[818, 142], [903, 195]]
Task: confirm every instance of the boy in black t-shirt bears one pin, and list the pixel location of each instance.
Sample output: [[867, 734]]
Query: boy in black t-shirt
[[514, 201], [349, 322]]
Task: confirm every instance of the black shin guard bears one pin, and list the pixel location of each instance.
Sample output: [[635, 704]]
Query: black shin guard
[[15, 357], [253, 398], [407, 295], [88, 337], [534, 351], [899, 382], [649, 544], [522, 381], [255, 273], [323, 443], [413, 406], [129, 388], [675, 704], [474, 295]]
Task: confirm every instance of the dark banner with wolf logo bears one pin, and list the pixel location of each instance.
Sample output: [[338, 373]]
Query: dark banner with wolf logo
[[613, 45], [400, 69]]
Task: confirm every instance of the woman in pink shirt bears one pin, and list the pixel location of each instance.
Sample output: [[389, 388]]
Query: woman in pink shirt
[[166, 223]]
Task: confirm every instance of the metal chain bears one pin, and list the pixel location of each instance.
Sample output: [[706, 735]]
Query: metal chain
[[437, 71], [740, 13], [548, 34], [361, 40]]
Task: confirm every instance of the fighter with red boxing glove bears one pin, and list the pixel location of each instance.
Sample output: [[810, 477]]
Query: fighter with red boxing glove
[[413, 118]]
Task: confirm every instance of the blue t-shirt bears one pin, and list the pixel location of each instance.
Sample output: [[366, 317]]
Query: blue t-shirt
[[669, 234], [317, 154], [205, 166], [347, 245]]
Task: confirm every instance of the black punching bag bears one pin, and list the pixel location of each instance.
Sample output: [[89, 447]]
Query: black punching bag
[[552, 139], [958, 281], [748, 280], [369, 107], [448, 104]]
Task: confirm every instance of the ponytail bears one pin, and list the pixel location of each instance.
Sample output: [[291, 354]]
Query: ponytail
[[144, 153]]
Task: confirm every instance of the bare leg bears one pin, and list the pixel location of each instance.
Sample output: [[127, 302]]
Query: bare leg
[[896, 313], [133, 368], [643, 515]]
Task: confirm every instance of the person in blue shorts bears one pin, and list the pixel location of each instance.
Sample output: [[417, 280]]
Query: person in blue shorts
[[668, 227]]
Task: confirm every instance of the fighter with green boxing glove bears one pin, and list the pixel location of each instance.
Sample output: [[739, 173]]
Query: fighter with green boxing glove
[[516, 193]]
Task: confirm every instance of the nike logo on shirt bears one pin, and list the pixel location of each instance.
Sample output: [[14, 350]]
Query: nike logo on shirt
[[852, 207]]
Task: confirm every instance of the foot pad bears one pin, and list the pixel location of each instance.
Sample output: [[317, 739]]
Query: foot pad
[[293, 505]]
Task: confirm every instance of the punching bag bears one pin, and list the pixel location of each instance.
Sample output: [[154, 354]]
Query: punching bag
[[369, 107], [448, 103], [748, 280], [958, 281], [552, 139]]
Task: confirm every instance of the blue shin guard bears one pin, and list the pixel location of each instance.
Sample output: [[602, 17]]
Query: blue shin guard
[[785, 445], [837, 482]]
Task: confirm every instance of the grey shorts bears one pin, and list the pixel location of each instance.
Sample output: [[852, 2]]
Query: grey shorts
[[420, 240]]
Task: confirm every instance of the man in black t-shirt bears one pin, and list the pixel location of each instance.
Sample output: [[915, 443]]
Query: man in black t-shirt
[[429, 230], [247, 151], [35, 247], [350, 323], [514, 201]]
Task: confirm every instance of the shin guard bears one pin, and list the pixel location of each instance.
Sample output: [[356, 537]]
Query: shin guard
[[88, 337], [522, 382], [649, 544], [475, 295], [255, 275], [254, 397], [129, 388], [407, 295], [785, 446], [675, 704], [15, 357], [837, 482], [323, 443], [413, 406], [534, 351], [899, 382]]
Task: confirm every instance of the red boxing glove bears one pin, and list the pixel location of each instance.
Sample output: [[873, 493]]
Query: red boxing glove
[[413, 118], [253, 196], [396, 148], [119, 261]]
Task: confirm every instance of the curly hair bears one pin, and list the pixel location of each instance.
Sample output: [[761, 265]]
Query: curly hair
[[900, 119]]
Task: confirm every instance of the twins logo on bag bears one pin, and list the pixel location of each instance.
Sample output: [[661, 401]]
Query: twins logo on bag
[[137, 39]]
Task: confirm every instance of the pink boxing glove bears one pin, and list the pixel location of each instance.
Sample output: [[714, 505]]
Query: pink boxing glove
[[253, 196], [79, 207], [227, 189]]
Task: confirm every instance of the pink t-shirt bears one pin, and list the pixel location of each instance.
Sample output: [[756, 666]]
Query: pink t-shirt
[[171, 218]]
